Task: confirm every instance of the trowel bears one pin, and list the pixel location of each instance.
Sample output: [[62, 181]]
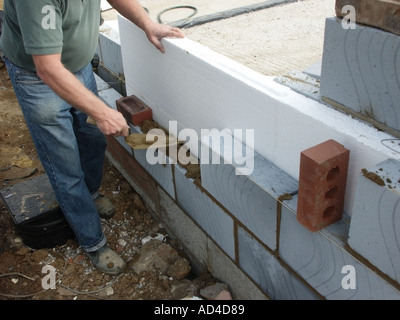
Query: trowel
[[142, 141]]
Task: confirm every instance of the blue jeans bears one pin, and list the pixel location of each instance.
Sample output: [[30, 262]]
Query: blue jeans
[[71, 150]]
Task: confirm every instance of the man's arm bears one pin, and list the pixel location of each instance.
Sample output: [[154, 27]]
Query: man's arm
[[69, 88], [51, 70], [134, 12]]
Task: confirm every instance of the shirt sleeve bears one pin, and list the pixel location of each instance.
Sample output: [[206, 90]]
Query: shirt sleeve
[[40, 22]]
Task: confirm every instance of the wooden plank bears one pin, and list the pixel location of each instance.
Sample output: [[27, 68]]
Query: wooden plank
[[383, 14]]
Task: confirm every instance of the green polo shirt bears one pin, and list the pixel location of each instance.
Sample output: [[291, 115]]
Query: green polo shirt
[[39, 27]]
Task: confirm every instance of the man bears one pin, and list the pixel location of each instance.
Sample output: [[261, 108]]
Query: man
[[48, 46], [1, 18], [1, 22]]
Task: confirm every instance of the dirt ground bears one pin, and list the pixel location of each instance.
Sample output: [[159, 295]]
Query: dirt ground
[[157, 267]]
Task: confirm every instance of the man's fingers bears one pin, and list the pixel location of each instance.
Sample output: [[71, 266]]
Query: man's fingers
[[175, 33], [161, 31], [125, 131]]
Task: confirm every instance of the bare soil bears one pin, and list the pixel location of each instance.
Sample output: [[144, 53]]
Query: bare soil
[[157, 267]]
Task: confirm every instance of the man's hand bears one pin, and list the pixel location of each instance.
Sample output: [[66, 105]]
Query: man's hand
[[114, 124], [157, 31], [134, 12]]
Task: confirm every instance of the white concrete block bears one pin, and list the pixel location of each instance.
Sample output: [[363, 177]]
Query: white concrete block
[[178, 224], [110, 49], [264, 268], [322, 260], [361, 71], [227, 271], [205, 212], [204, 90], [107, 93], [204, 254], [251, 198], [161, 172], [101, 85], [375, 224]]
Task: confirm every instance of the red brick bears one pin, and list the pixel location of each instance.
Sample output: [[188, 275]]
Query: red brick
[[134, 110], [322, 185], [135, 171]]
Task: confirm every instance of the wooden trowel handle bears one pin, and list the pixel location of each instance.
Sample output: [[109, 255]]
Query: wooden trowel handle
[[91, 120]]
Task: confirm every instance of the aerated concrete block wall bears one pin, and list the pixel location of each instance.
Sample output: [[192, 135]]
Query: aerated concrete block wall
[[243, 228], [361, 72]]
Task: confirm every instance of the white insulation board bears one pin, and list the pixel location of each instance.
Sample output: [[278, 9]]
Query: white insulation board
[[201, 89]]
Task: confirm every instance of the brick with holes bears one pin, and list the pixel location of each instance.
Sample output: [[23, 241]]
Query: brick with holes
[[134, 110], [322, 185]]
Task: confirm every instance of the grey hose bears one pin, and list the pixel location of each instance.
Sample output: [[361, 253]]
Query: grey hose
[[177, 7], [184, 23]]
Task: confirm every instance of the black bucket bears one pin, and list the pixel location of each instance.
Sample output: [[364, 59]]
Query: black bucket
[[47, 230], [37, 217]]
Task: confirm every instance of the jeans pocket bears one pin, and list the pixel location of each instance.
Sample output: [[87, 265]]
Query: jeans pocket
[[26, 77]]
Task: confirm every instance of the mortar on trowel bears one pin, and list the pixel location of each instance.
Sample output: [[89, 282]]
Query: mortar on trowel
[[136, 111]]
